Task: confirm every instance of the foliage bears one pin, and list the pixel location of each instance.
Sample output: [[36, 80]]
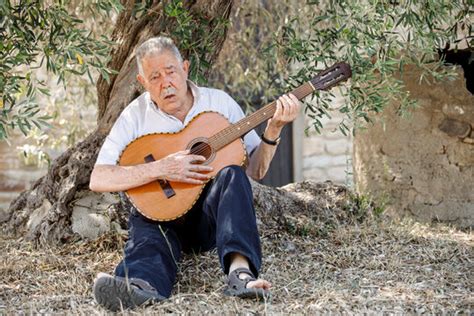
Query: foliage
[[362, 206], [69, 124], [256, 78], [36, 34], [283, 44], [195, 43], [278, 45], [73, 116], [378, 38]]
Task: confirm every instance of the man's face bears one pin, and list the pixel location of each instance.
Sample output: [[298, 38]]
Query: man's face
[[164, 77]]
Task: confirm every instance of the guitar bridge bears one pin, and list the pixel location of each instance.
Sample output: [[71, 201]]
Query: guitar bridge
[[164, 184]]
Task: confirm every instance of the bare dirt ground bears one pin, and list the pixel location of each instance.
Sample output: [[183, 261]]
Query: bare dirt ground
[[377, 266]]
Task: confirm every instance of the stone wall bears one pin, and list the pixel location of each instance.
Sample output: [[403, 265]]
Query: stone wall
[[422, 165], [328, 156]]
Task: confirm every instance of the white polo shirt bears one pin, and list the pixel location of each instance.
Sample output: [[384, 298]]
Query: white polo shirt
[[143, 117]]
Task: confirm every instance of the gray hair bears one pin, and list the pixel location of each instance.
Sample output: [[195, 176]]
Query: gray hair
[[156, 45]]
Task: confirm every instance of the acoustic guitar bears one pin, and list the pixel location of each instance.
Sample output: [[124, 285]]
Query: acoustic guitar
[[208, 134]]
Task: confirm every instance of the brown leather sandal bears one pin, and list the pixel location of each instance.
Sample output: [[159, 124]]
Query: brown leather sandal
[[238, 287]]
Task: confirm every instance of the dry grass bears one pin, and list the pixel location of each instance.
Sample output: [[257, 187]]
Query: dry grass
[[373, 267]]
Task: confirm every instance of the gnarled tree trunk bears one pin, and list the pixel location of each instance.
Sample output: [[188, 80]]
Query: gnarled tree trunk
[[43, 213]]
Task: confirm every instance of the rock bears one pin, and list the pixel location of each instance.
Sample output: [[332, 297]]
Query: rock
[[89, 224], [455, 128], [89, 217]]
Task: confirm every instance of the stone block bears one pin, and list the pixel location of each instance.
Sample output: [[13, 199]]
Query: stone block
[[8, 184], [457, 111], [324, 161], [337, 147], [313, 146], [317, 174], [89, 224], [333, 134]]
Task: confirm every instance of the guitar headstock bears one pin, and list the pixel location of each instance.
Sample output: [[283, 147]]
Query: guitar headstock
[[331, 76]]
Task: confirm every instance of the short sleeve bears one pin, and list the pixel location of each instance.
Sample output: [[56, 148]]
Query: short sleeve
[[121, 134]]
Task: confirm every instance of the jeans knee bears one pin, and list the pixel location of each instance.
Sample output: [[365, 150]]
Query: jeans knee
[[231, 175], [232, 169]]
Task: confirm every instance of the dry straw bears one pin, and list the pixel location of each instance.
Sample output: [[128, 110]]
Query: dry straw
[[350, 266]]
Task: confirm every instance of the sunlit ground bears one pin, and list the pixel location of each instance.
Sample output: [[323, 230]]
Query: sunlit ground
[[376, 266]]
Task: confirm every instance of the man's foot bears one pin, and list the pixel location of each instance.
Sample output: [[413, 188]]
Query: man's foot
[[117, 293], [242, 283]]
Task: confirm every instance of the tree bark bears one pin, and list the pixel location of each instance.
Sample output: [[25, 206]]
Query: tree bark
[[43, 213]]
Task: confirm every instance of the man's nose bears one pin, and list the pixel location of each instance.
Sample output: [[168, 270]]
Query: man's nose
[[165, 83], [166, 80]]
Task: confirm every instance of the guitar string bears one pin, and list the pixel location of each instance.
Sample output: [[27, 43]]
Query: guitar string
[[222, 137], [300, 92], [229, 133], [232, 130]]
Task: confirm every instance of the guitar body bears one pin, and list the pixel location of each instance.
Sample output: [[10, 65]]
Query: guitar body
[[170, 200]]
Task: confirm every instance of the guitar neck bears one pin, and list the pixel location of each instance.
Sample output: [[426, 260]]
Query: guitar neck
[[245, 125], [324, 80]]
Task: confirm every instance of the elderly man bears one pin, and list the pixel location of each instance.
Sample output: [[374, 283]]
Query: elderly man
[[223, 217]]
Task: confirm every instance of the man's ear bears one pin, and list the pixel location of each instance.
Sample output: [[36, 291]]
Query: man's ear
[[186, 64], [141, 80]]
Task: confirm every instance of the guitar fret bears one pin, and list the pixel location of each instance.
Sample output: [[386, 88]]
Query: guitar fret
[[236, 130]]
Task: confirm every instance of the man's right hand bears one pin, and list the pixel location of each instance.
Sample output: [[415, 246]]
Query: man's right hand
[[179, 167], [182, 167]]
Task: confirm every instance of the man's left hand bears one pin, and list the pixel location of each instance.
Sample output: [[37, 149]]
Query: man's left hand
[[287, 108]]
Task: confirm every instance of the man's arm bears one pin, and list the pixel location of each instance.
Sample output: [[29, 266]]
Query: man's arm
[[288, 107], [179, 167]]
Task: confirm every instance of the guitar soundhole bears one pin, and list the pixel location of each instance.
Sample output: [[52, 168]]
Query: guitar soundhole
[[202, 148]]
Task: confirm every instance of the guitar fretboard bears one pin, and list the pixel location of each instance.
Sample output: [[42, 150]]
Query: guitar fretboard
[[242, 127]]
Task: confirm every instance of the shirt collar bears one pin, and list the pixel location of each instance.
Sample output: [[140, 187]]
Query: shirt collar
[[194, 90]]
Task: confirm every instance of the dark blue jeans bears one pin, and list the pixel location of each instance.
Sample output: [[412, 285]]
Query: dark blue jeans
[[223, 217]]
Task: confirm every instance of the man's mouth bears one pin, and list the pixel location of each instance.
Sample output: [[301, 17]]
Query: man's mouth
[[168, 93]]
